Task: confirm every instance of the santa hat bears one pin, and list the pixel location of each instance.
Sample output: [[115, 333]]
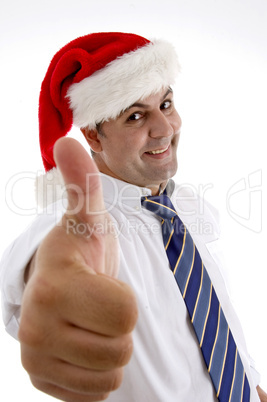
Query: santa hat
[[96, 77]]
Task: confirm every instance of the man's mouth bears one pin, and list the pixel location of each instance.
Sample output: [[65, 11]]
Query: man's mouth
[[158, 151]]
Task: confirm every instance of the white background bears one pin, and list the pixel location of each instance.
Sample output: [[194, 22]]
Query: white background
[[221, 96]]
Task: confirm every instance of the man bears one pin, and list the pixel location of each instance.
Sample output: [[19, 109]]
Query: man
[[101, 315]]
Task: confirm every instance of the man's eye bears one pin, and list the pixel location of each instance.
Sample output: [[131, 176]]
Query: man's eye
[[134, 116], [166, 104]]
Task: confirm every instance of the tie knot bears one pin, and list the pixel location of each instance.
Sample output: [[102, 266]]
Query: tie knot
[[161, 205]]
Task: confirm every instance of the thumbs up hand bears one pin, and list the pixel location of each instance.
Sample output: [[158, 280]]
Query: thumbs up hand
[[76, 317]]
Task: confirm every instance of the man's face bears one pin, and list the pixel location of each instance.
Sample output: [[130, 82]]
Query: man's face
[[139, 147]]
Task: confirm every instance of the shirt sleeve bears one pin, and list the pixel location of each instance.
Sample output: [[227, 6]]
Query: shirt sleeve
[[15, 260], [255, 374]]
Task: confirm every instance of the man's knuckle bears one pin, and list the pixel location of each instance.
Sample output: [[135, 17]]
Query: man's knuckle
[[128, 314], [98, 383], [43, 292], [30, 334], [115, 380], [125, 351], [31, 365]]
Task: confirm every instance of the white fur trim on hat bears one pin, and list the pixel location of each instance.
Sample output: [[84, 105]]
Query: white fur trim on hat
[[49, 188], [133, 76]]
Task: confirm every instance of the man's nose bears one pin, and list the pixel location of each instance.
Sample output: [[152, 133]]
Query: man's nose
[[164, 126]]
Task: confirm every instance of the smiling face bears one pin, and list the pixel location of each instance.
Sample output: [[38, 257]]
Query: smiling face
[[139, 147]]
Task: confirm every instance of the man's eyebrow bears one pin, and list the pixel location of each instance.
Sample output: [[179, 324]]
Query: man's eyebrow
[[169, 91], [145, 106]]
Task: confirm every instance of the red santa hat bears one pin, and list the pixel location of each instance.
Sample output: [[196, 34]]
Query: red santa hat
[[96, 77]]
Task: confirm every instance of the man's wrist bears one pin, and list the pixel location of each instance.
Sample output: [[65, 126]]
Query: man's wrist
[[262, 394]]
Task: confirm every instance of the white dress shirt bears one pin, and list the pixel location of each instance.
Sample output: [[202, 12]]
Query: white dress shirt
[[167, 363]]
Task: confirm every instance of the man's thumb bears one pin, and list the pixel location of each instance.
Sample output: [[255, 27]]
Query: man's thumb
[[82, 180]]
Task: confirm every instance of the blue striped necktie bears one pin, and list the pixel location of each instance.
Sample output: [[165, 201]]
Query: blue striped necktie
[[213, 333]]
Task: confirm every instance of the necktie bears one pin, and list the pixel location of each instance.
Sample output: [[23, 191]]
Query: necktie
[[213, 333]]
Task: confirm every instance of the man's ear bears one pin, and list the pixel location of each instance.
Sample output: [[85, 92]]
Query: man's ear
[[92, 137]]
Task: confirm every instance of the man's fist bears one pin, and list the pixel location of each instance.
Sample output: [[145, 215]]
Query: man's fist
[[77, 318]]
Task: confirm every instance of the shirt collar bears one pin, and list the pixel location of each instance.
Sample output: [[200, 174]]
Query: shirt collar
[[126, 195], [169, 188]]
